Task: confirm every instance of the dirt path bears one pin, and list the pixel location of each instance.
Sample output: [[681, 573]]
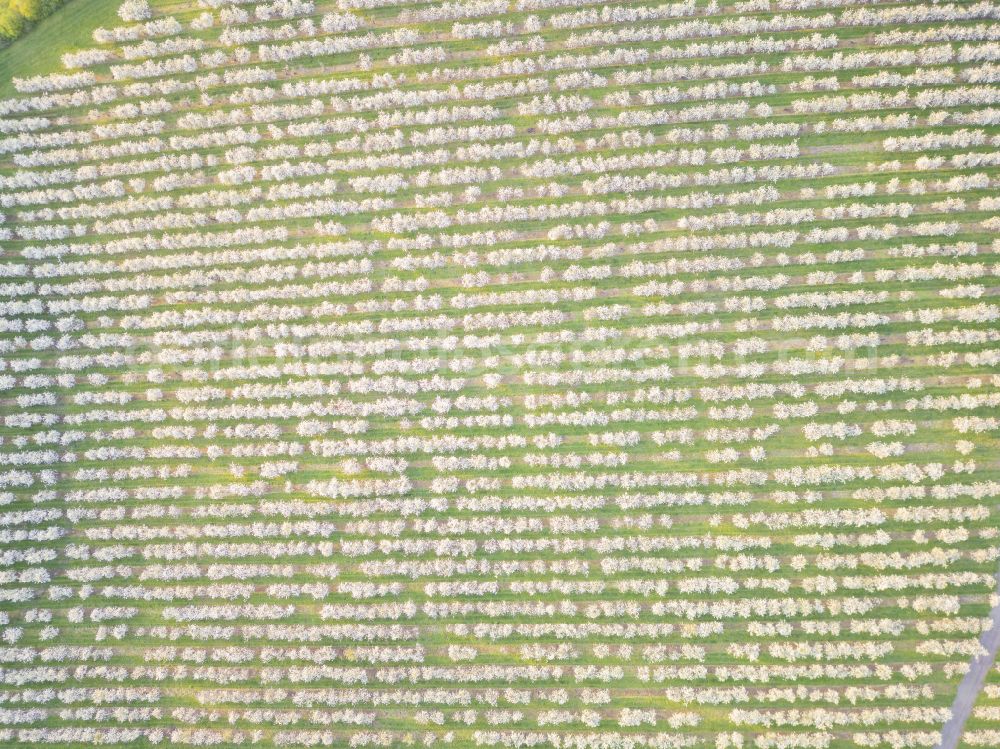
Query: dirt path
[[971, 684]]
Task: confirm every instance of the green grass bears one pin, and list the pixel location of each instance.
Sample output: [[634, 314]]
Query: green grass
[[39, 50]]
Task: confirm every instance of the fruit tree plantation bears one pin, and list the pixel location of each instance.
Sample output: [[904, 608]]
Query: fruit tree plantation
[[501, 374]]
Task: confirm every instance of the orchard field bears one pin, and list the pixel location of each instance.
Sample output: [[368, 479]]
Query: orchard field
[[501, 373]]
